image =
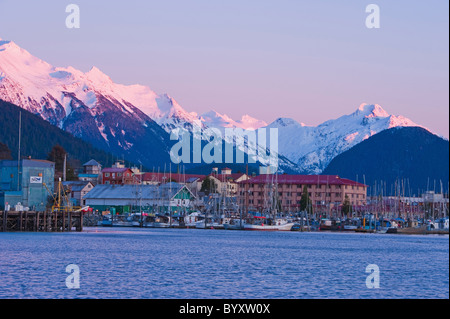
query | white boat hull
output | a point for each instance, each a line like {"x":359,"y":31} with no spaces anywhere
{"x":283,"y":227}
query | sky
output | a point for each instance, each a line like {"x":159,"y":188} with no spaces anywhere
{"x":308,"y":60}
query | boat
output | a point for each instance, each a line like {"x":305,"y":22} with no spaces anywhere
{"x":206,"y":223}
{"x":329,"y":224}
{"x":263,"y":223}
{"x":351,"y":224}
{"x":234,"y":224}
{"x":191,"y":219}
{"x":161,"y":221}
{"x":115,"y":221}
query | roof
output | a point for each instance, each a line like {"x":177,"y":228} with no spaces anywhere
{"x":134,"y":192}
{"x":92,"y":163}
{"x":115,"y":170}
{"x":301,"y":179}
{"x":175,"y":177}
{"x":76,"y":186}
{"x":27,"y":163}
{"x":88,"y":175}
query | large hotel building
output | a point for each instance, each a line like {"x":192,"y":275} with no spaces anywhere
{"x":325,"y":191}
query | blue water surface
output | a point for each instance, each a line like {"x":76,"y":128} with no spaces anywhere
{"x":198,"y":264}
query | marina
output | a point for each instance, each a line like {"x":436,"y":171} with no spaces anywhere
{"x":366,"y":224}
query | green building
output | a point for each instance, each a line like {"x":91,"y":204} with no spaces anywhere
{"x":165,"y":198}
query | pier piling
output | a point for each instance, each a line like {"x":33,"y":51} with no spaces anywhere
{"x":30,"y":221}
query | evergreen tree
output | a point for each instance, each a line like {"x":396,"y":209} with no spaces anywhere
{"x":305,"y":201}
{"x":57,"y":155}
{"x":346,"y":207}
{"x":5,"y":153}
{"x":208,"y":186}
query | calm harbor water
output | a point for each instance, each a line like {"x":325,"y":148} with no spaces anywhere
{"x":197,"y":264}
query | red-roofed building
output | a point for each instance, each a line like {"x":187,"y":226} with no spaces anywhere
{"x":119,"y":176}
{"x":325,"y":191}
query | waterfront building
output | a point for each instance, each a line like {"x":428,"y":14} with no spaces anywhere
{"x":92,"y":172}
{"x":326,"y":192}
{"x":26,"y":183}
{"x":169,"y":197}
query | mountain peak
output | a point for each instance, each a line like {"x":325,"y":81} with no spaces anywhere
{"x":372,"y":110}
{"x":285,"y":121}
{"x":95,"y":75}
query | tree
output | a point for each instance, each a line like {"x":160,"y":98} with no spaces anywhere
{"x":57,"y":155}
{"x":208,"y":185}
{"x":346,"y":206}
{"x":305,"y":201}
{"x":5,"y":153}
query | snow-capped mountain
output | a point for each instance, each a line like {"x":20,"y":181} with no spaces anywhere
{"x":215,"y":119}
{"x":120,"y":118}
{"x":88,"y":105}
{"x":313,"y":147}
{"x":134,"y":121}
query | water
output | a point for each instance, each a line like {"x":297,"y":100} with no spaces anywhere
{"x":197,"y":264}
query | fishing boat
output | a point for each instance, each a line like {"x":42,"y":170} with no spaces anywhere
{"x":161,"y":221}
{"x":351,"y":224}
{"x":234,"y":224}
{"x":115,"y":221}
{"x":329,"y":224}
{"x":263,"y":223}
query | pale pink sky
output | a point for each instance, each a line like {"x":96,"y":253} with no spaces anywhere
{"x":309,"y":60}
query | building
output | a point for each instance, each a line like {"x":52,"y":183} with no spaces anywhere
{"x":172,"y":197}
{"x":326,"y":192}
{"x":26,"y":183}
{"x":92,"y":172}
{"x":225,"y":182}
{"x":118,"y":174}
{"x":78,"y":190}
{"x":228,"y":182}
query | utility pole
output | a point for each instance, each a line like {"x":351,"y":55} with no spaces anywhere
{"x":64,"y":167}
{"x":18,"y":156}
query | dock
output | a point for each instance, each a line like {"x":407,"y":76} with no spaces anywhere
{"x":31,"y":221}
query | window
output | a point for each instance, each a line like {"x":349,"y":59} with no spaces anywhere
{"x":106,"y":174}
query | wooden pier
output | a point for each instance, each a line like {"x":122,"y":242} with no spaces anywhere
{"x":12,"y":221}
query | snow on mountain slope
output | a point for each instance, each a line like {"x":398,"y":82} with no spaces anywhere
{"x":313,"y":147}
{"x":136,"y":120}
{"x":88,"y":105}
{"x":43,"y":89}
